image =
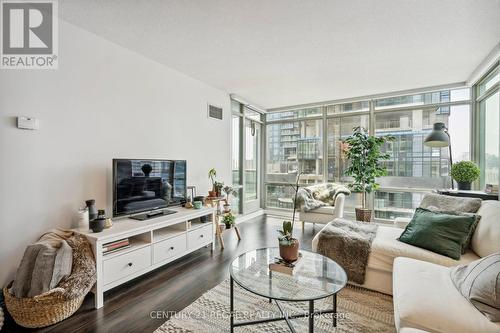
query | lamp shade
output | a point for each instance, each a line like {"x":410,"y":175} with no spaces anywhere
{"x":438,"y":137}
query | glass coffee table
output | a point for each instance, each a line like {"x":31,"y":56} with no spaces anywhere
{"x":316,"y":277}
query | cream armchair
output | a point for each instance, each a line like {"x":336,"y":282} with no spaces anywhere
{"x":335,"y":199}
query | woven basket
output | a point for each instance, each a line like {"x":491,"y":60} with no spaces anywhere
{"x":61,"y":302}
{"x":42,"y":310}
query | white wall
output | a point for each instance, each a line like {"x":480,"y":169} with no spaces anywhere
{"x":104,"y":101}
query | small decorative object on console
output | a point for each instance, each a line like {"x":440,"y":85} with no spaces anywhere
{"x":92,"y":209}
{"x":108,"y":223}
{"x":83,"y":218}
{"x":97,"y":225}
{"x":197,"y":204}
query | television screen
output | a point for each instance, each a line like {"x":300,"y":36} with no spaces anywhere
{"x":145,"y":185}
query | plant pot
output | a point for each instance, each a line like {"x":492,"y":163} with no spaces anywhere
{"x":464,"y":186}
{"x":97,"y":225}
{"x":212,"y":194}
{"x":227,"y":208}
{"x":363,"y":214}
{"x":228,"y":226}
{"x":290,"y":252}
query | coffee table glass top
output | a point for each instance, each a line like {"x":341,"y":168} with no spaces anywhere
{"x":315,"y":276}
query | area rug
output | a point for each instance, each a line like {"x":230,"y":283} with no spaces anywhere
{"x":359,"y":310}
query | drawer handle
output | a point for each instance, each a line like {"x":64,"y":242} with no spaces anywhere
{"x":171,"y":248}
{"x":201,"y":236}
{"x":129,"y":264}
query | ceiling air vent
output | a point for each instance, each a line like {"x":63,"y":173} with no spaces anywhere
{"x":214,"y":112}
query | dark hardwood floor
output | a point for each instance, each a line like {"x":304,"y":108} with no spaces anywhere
{"x":172,"y":287}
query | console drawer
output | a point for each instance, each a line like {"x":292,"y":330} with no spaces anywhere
{"x":169,"y":248}
{"x":126,"y":264}
{"x":200,"y":236}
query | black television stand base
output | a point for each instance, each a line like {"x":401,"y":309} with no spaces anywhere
{"x":152,"y":215}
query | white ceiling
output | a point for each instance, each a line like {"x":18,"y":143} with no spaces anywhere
{"x":286,"y":52}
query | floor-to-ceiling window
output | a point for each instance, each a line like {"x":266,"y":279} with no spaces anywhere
{"x":487,"y":111}
{"x":294,"y":143}
{"x":310,"y":140}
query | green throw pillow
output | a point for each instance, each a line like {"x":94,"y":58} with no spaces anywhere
{"x":437,"y":232}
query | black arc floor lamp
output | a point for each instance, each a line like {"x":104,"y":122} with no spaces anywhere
{"x":439,"y":137}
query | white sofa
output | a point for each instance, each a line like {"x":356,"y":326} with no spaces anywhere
{"x":386,"y":247}
{"x":424,"y":296}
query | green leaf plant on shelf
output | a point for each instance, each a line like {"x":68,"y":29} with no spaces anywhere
{"x":216,"y":185}
{"x":228,"y":191}
{"x":288,"y":245}
{"x":212,"y":173}
{"x":228,"y":220}
{"x":464,"y":173}
{"x":365,"y":157}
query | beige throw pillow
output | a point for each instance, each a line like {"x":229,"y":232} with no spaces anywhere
{"x":479,"y":282}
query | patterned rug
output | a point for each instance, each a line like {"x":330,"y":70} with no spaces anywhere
{"x":359,"y":311}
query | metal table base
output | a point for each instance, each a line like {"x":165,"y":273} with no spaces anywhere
{"x":310,"y":314}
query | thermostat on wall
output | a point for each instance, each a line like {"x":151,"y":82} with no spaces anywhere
{"x":27,"y":123}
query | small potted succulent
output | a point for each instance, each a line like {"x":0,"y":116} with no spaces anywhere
{"x":228,"y":191}
{"x":364,"y":154}
{"x":464,"y":173}
{"x":288,"y":245}
{"x":228,"y":220}
{"x":212,"y":173}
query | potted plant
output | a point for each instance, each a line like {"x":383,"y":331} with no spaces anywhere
{"x":212,"y":173}
{"x":363,"y":152}
{"x":288,"y":245}
{"x":228,"y":190}
{"x":464,"y":173}
{"x":228,"y":220}
{"x":218,"y":188}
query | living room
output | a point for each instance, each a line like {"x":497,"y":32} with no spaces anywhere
{"x":250,"y":166}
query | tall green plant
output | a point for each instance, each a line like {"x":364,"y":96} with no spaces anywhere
{"x":364,"y":154}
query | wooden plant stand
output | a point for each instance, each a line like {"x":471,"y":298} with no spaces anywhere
{"x":215,"y":203}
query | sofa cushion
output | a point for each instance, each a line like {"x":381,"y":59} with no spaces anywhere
{"x":425,"y":298}
{"x":446,"y":202}
{"x":441,"y":233}
{"x":386,"y":247}
{"x":486,"y":238}
{"x":477,"y":217}
{"x":479,"y":282}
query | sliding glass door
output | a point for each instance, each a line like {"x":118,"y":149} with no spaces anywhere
{"x":251,"y":187}
{"x":246,"y":157}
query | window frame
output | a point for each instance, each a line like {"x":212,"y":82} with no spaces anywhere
{"x":371,"y":112}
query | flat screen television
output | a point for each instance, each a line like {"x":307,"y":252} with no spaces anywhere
{"x":144,"y":185}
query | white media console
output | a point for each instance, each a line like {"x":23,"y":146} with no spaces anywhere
{"x":153,"y":243}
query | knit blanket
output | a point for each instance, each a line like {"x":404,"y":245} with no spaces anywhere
{"x":349,"y":244}
{"x":315,"y":196}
